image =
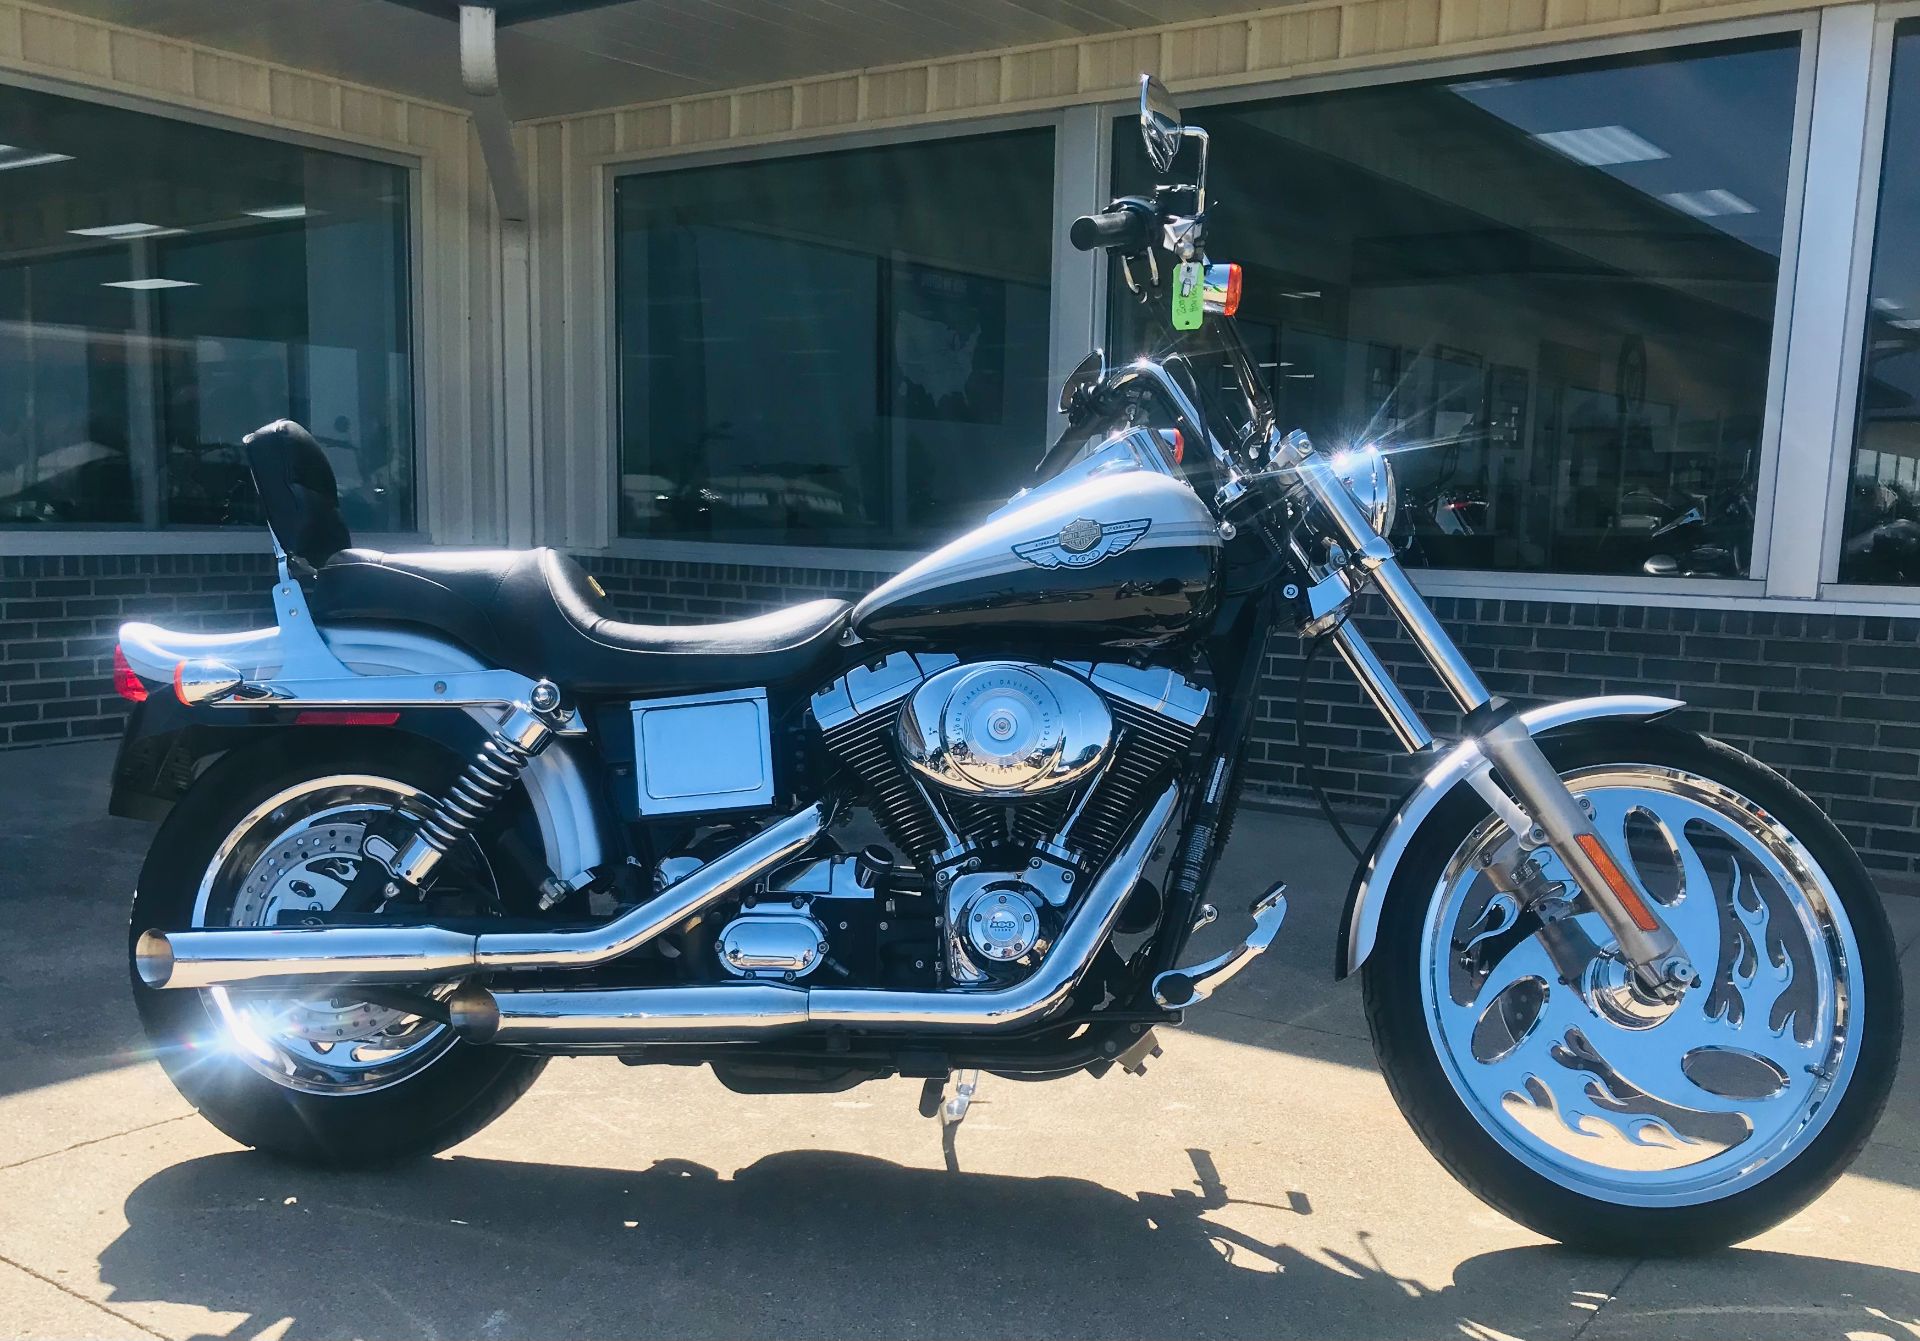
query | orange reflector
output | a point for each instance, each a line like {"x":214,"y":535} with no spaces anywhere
{"x":1617,"y":881}
{"x":345,"y":717}
{"x":1231,"y":303}
{"x":1176,"y":443}
{"x":126,"y":683}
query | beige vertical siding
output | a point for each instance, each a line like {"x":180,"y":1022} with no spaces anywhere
{"x":1259,"y":46}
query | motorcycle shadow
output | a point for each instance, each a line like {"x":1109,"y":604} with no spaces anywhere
{"x":829,"y":1244}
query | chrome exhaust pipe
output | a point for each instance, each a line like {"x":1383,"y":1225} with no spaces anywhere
{"x":749,"y":1011}
{"x":320,"y":956}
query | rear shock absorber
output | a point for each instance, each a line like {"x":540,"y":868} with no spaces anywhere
{"x":522,"y":732}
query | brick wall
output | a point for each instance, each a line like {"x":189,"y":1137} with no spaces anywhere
{"x":59,"y":615}
{"x":1830,"y":700}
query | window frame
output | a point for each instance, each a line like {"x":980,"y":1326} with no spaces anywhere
{"x":1879,"y":89}
{"x":112,"y":538}
{"x":1603,"y":587}
{"x":1082,"y":134}
{"x":844,"y":558}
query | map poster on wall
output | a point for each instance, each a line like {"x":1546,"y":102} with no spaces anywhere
{"x":942,"y":344}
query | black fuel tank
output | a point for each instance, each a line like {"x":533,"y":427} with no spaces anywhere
{"x":1107,"y":554}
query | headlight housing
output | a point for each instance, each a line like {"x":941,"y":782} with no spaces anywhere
{"x":1369,"y":478}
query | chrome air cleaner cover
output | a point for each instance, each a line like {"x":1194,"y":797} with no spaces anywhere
{"x":1004,"y":728}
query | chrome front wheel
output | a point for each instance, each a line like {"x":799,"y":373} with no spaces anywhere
{"x":1537,"y":1067}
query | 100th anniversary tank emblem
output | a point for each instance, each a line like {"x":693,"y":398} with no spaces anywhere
{"x":1082,"y":542}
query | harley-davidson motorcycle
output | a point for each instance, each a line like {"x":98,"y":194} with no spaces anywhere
{"x":449,"y":817}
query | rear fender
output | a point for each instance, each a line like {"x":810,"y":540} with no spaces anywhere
{"x":165,"y":740}
{"x":1370,"y":882}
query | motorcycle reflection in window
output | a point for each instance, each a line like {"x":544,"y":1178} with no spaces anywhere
{"x":449,"y":817}
{"x":1882,"y":531}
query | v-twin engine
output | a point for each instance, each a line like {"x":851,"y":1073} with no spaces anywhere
{"x":1008,"y":783}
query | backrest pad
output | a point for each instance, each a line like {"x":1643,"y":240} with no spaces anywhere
{"x":298,"y":491}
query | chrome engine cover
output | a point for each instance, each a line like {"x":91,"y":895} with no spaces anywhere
{"x":1004,"y":729}
{"x":999,"y":926}
{"x":773,"y":941}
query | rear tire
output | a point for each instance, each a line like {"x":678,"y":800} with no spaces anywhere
{"x":1485,"y":1139}
{"x":450,"y":1090}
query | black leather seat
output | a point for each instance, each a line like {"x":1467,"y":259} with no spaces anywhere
{"x":537,"y":612}
{"x":533,"y":611}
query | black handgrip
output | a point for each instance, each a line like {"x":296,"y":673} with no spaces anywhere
{"x":1126,"y":228}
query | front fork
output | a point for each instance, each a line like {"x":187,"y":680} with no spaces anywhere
{"x":1535,"y":803}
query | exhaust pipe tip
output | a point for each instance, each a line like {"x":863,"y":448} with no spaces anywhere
{"x":153,"y":958}
{"x":474,"y":1014}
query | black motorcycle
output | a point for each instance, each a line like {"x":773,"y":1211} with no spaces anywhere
{"x":450,"y":817}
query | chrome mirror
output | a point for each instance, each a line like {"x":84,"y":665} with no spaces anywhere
{"x":1159,"y":123}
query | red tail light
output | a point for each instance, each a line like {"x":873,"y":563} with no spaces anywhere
{"x":125,"y":683}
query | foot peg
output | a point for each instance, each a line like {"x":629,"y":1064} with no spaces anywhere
{"x":1185,"y":986}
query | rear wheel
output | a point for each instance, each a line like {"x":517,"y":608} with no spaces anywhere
{"x":315,"y":1075}
{"x":1525,"y":1055}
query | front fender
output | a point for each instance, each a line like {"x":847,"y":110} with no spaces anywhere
{"x":1370,"y":882}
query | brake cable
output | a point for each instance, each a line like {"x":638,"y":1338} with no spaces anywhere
{"x":1308,"y":768}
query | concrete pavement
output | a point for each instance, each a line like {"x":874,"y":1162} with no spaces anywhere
{"x":1256,"y":1182}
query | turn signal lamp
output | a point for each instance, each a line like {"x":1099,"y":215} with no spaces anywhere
{"x":1221,"y":287}
{"x":200,"y":681}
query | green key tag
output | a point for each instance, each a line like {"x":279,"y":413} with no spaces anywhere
{"x":1189,"y":298}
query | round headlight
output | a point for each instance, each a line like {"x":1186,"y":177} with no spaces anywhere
{"x":1369,"y":478}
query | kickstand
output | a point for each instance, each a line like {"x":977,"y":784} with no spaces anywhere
{"x":953,"y":1112}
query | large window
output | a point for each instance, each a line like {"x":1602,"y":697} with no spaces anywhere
{"x":846,"y":348}
{"x":167,"y":287}
{"x":1550,"y":292}
{"x":1881,"y":532}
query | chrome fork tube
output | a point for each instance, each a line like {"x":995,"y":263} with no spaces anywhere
{"x":1366,"y":666}
{"x":1643,"y":936}
{"x":1461,"y":680}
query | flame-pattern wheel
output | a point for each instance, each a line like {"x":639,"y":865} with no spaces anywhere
{"x":1529,"y":1058}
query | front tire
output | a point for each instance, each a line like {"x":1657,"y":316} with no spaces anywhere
{"x":312,"y":1077}
{"x":1590,"y":1113}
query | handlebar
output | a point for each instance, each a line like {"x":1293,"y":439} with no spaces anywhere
{"x":1128,"y":228}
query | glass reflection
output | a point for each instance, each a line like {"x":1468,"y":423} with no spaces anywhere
{"x":1881,"y":527}
{"x":1550,"y":293}
{"x":838,"y":349}
{"x":167,"y":287}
